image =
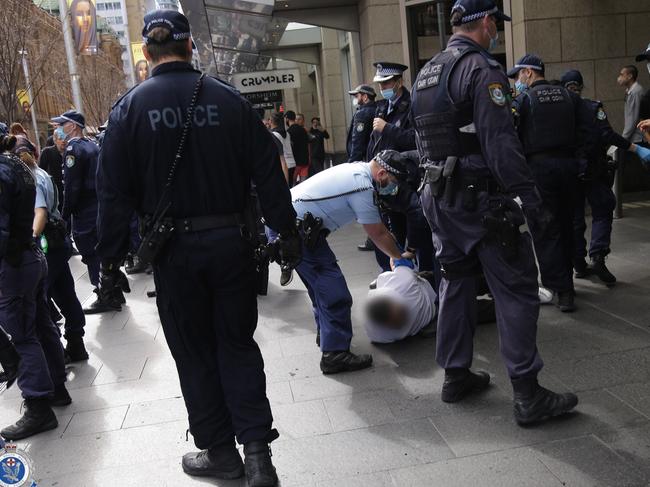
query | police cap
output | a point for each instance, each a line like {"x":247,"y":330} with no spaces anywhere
{"x":572,"y":77}
{"x":365,"y":89}
{"x":530,"y":61}
{"x":644,"y":56}
{"x":175,"y":22}
{"x":476,"y":9}
{"x":387,"y":71}
{"x":391,"y":161}
{"x":70,"y":116}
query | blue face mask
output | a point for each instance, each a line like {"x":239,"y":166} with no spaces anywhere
{"x":60,"y":133}
{"x":494,"y":42}
{"x":388,"y":93}
{"x":520,"y":86}
{"x":389,"y":190}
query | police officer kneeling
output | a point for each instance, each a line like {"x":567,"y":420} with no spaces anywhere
{"x":205,"y":271}
{"x":474,"y":164}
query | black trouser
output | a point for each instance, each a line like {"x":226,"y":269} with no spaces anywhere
{"x":207,"y":300}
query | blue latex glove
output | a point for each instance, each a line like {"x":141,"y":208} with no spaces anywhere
{"x":644,"y":154}
{"x":403,"y":262}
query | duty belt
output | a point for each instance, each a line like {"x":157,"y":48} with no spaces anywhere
{"x":211,"y":222}
{"x":484,"y":184}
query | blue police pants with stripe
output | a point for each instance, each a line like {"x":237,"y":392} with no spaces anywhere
{"x":330,"y":297}
{"x":206,"y":286}
{"x":84,"y":232}
{"x":461,"y":243}
{"x":602,"y":201}
{"x":556,"y":180}
{"x":60,"y":287}
{"x":25,"y":315}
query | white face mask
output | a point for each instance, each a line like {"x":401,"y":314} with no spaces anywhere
{"x":355,"y":102}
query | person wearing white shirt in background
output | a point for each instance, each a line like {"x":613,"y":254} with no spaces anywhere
{"x":402,"y":305}
{"x":627,"y":78}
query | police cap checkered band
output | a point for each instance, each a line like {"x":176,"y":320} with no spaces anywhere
{"x":472,"y":10}
{"x":529,"y":66}
{"x":388,"y":159}
{"x":175,"y":22}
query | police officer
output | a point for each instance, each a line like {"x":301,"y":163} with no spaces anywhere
{"x":205,"y":273}
{"x":596,"y":186}
{"x":80,"y":199}
{"x":361,"y":126}
{"x":324,"y":203}
{"x":474,"y":164}
{"x":548,"y":125}
{"x":50,"y":232}
{"x":24,"y":310}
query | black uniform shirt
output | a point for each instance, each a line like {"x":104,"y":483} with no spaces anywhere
{"x":80,"y":167}
{"x":227,"y":147}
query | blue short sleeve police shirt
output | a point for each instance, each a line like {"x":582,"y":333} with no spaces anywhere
{"x":339,"y":195}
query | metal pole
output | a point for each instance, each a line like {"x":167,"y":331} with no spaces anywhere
{"x":125,"y":16}
{"x":441,"y":25}
{"x":70,"y":54}
{"x":618,"y":183}
{"x":30,"y":93}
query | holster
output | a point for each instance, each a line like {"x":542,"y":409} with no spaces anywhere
{"x":503,"y":227}
{"x":253,"y":230}
{"x":56,"y":232}
{"x":433,"y":178}
{"x":312,"y":230}
{"x":155,"y":235}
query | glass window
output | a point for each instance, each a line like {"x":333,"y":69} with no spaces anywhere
{"x":424,"y":33}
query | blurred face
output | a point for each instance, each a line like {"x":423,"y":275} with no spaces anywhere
{"x":575,"y":88}
{"x":315,"y":123}
{"x":525,"y":76}
{"x":391,"y":84}
{"x":300,"y":120}
{"x":83,"y":16}
{"x":624,"y":78}
{"x":142,"y":71}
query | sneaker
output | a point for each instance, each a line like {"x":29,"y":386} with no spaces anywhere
{"x":222,"y":462}
{"x":459,"y":383}
{"x":346,"y":361}
{"x":599,"y":268}
{"x":533,"y":403}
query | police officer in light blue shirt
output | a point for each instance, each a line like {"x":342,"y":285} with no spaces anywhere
{"x":324,"y":203}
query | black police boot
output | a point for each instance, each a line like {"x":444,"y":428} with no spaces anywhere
{"x":221,"y":462}
{"x":102,"y":305}
{"x":38,"y":418}
{"x":599,"y":268}
{"x":286,"y":276}
{"x":533,"y":403}
{"x":61,"y":397}
{"x":135,"y":266}
{"x":75,"y":351}
{"x":565,"y":301}
{"x":9,"y":360}
{"x":346,"y":361}
{"x":459,"y":383}
{"x":260,"y":471}
{"x":581,"y":269}
{"x":366,"y":246}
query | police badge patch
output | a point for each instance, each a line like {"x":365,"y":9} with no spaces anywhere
{"x":601,"y":115}
{"x":497,"y":95}
{"x":360,"y":127}
{"x":15,"y":468}
{"x":69,"y":161}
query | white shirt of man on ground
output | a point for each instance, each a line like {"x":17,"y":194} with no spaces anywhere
{"x":401,"y":306}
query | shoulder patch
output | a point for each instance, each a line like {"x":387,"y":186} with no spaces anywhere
{"x":600,"y":114}
{"x":69,"y":160}
{"x":497,"y":94}
{"x":360,"y":127}
{"x":69,"y":148}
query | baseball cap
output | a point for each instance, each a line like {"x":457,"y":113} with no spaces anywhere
{"x":476,"y":9}
{"x":572,"y":77}
{"x":175,"y":22}
{"x":644,"y":56}
{"x":71,"y":116}
{"x":531,"y":61}
{"x":366,"y":89}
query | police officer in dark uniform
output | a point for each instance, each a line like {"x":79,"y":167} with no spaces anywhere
{"x":474,"y":164}
{"x":391,"y":131}
{"x":80,"y":199}
{"x":548,"y":124}
{"x":595,"y":186}
{"x":205,"y":276}
{"x":361,"y":126}
{"x":24,"y":310}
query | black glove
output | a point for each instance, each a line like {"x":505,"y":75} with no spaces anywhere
{"x":290,"y":249}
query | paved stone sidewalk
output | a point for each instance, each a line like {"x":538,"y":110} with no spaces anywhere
{"x":381,"y":427}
